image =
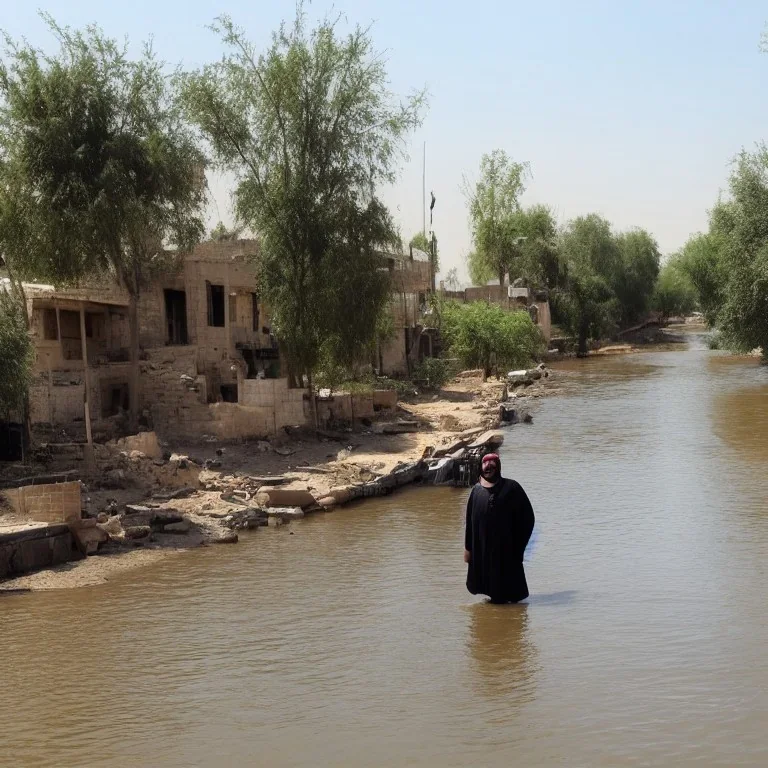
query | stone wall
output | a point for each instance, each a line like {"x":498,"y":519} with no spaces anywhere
{"x":343,"y":406}
{"x":50,"y":503}
{"x":288,"y":405}
{"x":173,"y":394}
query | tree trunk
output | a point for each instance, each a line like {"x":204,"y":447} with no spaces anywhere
{"x":17,"y":288}
{"x":582,"y":349}
{"x":133,"y":320}
{"x":312,"y":401}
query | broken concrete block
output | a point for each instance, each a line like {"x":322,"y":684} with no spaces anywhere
{"x":227,"y":538}
{"x":137,"y":532}
{"x":286,"y":513}
{"x":288,"y":497}
{"x":182,"y":527}
{"x":88,"y":540}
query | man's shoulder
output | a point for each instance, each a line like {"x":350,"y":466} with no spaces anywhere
{"x":511,"y":484}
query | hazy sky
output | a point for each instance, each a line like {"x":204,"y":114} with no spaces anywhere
{"x":630,"y":109}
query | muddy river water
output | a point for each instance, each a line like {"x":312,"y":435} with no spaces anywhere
{"x":353,"y":642}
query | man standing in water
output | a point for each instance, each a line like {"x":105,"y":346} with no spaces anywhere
{"x":499,"y":524}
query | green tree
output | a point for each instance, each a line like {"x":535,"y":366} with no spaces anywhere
{"x":674,"y":294}
{"x":494,"y":201}
{"x":539,"y":257}
{"x":424,"y":243}
{"x":700,"y":261}
{"x":96,"y":151}
{"x":311,"y":130}
{"x":16,"y":355}
{"x":634,"y":282}
{"x":587,"y":305}
{"x":486,"y":336}
{"x":220,"y":233}
{"x":739,"y":232}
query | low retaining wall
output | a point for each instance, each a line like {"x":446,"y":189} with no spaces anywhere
{"x":34,"y":549}
{"x":47,"y":503}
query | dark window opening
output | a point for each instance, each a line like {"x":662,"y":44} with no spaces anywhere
{"x":215,"y":305}
{"x":71,"y":343}
{"x":114,"y":398}
{"x":425,"y":346}
{"x":233,"y":309}
{"x":10,"y":441}
{"x":50,"y":326}
{"x":255,"y":310}
{"x":94,"y":325}
{"x":176,"y":317}
{"x":229,"y":393}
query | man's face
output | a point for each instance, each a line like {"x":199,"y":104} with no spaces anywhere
{"x":490,"y":469}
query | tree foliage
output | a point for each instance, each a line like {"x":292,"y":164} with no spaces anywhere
{"x":310,"y":129}
{"x":424,"y":243}
{"x":100,"y":163}
{"x":16,"y":355}
{"x":739,"y":230}
{"x":674,"y":294}
{"x":486,"y":336}
{"x":494,"y":201}
{"x":609,"y":279}
{"x":699,"y":260}
{"x":539,"y":260}
{"x":636,"y":278}
{"x":588,"y":305}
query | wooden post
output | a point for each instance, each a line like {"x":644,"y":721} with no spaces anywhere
{"x":87,"y":397}
{"x":58,"y":332}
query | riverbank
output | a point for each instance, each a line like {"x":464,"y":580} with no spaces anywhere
{"x":150,"y":504}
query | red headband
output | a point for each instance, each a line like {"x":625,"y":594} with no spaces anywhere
{"x":491,"y":457}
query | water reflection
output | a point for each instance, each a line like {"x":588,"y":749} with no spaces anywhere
{"x":503,"y":655}
{"x":740,"y":418}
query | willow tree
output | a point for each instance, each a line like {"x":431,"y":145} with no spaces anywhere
{"x":16,"y":359}
{"x":636,"y":279}
{"x":494,"y":202}
{"x":311,"y":131}
{"x":99,"y":165}
{"x":587,"y":304}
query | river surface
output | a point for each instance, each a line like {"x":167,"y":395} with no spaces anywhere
{"x":353,"y":642}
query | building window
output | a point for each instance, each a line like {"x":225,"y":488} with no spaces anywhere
{"x":228,"y":393}
{"x":255,"y":309}
{"x":176,"y":317}
{"x":115,"y":398}
{"x":215,"y":305}
{"x":233,"y":309}
{"x":50,"y":326}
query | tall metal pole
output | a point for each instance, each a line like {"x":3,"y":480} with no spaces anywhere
{"x":424,"y":192}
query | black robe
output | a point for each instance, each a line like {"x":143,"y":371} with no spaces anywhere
{"x":499,"y":524}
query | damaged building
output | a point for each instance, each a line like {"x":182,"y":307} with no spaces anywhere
{"x":409,"y":309}
{"x":209,"y":362}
